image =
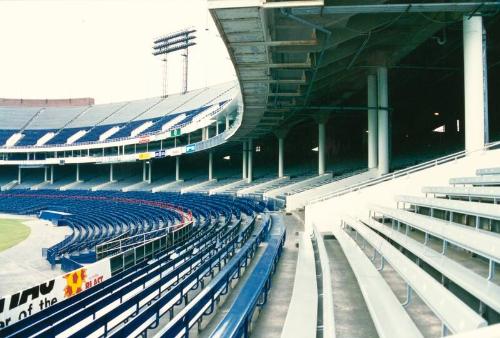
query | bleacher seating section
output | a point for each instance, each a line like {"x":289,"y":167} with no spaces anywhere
{"x":189,"y":275}
{"x":444,"y":248}
{"x":65,"y":122}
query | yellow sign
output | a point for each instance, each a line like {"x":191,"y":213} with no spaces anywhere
{"x":144,"y":156}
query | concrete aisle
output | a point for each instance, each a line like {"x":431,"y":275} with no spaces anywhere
{"x":272,"y":317}
{"x":352,"y":319}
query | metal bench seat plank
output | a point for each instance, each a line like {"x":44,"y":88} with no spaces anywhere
{"x":388,"y":315}
{"x":478,"y":286}
{"x":454,"y":313}
{"x":485,"y":210}
{"x":481,"y":242}
{"x":477,"y":192}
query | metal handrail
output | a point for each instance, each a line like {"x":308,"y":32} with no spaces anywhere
{"x":400,"y":173}
{"x":131,"y":243}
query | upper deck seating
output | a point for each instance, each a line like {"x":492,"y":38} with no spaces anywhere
{"x":31,"y":136}
{"x":15,"y":118}
{"x":64,"y":122}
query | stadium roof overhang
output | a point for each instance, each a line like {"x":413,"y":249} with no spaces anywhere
{"x":299,"y":59}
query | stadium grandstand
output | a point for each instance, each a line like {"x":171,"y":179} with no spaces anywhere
{"x":346,"y":184}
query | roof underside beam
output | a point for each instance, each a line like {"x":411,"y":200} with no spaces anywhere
{"x":461,"y":7}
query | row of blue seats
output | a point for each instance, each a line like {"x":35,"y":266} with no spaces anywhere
{"x":254,"y":293}
{"x":97,"y":217}
{"x":212,"y":242}
{"x":31,"y":136}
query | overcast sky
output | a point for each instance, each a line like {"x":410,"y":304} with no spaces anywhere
{"x":102,"y":48}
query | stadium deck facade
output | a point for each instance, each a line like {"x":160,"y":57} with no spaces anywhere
{"x":369,"y":121}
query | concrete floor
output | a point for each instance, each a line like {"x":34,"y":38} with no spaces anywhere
{"x":23,"y":265}
{"x":352,"y":319}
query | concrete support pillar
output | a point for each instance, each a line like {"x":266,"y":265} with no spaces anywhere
{"x":52,"y":174}
{"x":78,"y":172}
{"x":475,"y":91}
{"x":144,"y":176}
{"x":372,"y":123}
{"x":383,"y":121}
{"x":111,"y":173}
{"x":46,"y":174}
{"x":250,"y":161}
{"x":281,"y":156}
{"x":150,"y":175}
{"x":177,"y":168}
{"x":321,"y":147}
{"x":244,"y":164}
{"x":227,"y":122}
{"x":217,"y":127}
{"x":210,"y":166}
{"x":19,"y":175}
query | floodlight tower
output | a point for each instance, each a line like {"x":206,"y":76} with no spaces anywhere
{"x":173,"y":42}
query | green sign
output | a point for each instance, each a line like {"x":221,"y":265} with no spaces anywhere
{"x":175,"y":132}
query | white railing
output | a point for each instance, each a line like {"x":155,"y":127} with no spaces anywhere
{"x":400,"y":173}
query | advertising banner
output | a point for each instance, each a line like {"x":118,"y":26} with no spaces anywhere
{"x":24,"y":303}
{"x":144,"y":139}
{"x":144,"y":156}
{"x":175,"y":151}
{"x":160,"y":153}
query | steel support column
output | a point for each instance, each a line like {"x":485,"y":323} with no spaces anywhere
{"x":372,"y":123}
{"x":250,"y":161}
{"x":476,"y":115}
{"x":210,"y":165}
{"x":177,"y":168}
{"x":111,"y":173}
{"x":383,"y":121}
{"x":244,"y":164}
{"x":78,"y":172}
{"x":321,"y":147}
{"x":281,"y":156}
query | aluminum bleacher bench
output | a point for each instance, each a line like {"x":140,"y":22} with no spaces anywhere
{"x":301,"y":318}
{"x":388,"y":315}
{"x":455,"y":315}
{"x":488,"y":171}
{"x":478,"y":286}
{"x":328,"y":309}
{"x":490,"y":194}
{"x":490,"y":212}
{"x":485,"y":332}
{"x":483,"y":243}
{"x":477,"y":180}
